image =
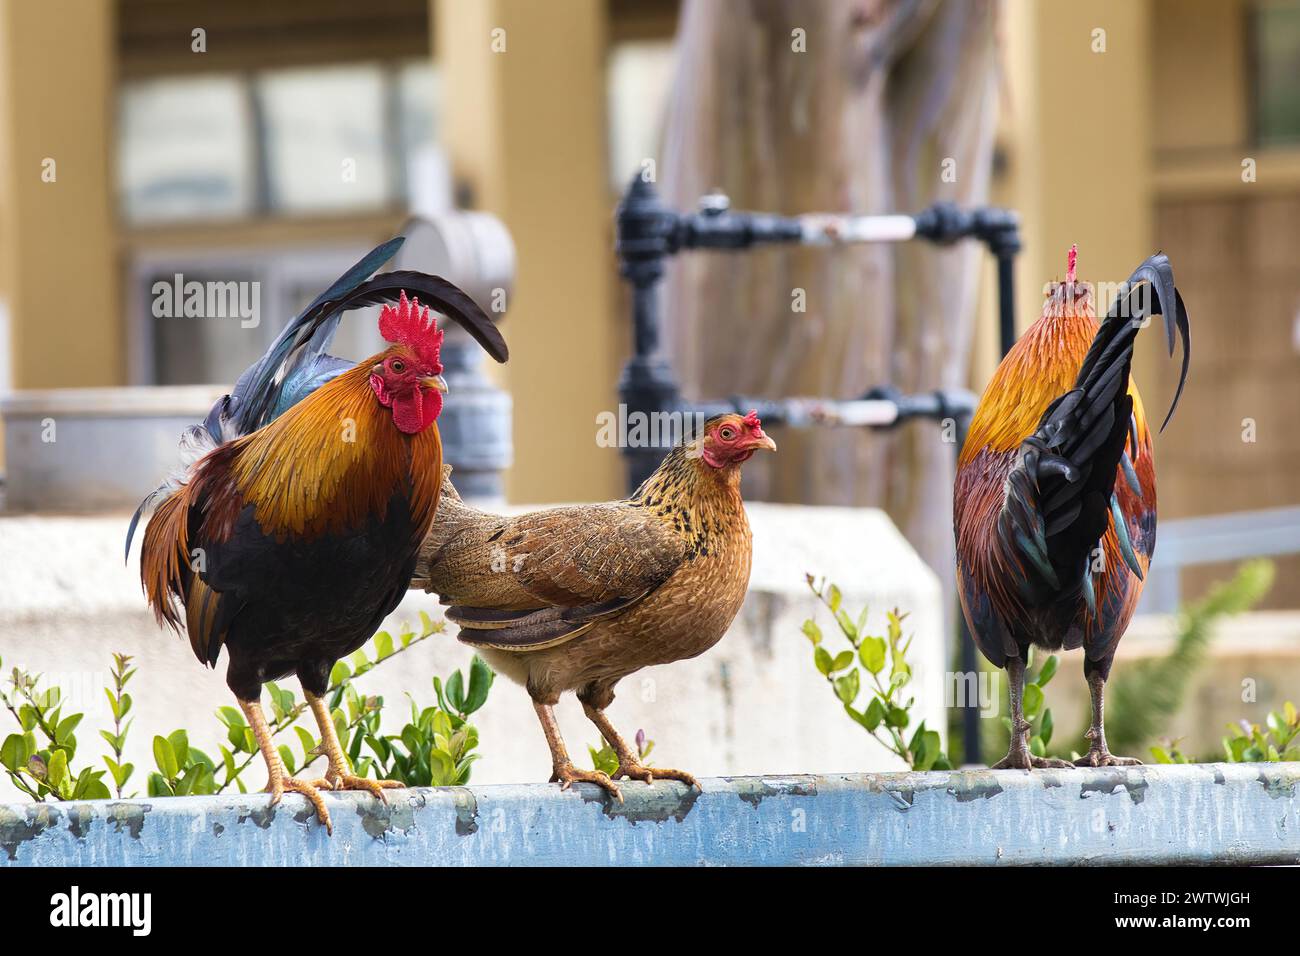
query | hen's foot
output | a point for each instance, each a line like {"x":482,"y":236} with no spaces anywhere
{"x":1104,"y":758}
{"x":567,"y":774}
{"x":278,"y":785}
{"x":346,"y":781}
{"x":1019,"y":758}
{"x":637,"y":771}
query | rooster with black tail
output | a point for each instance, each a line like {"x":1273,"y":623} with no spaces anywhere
{"x":1054,"y":506}
{"x":294,"y":525}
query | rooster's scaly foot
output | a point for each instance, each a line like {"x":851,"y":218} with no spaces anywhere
{"x":277,"y":787}
{"x":1021,"y":759}
{"x":346,"y":781}
{"x":1104,"y":758}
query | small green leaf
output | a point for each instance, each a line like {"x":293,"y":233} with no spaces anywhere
{"x":307,"y":741}
{"x":842,"y":660}
{"x":57,"y":770}
{"x":1045,"y":726}
{"x":180,"y":742}
{"x":926,"y":750}
{"x":833,"y":598}
{"x":812,"y":631}
{"x":872,"y":654}
{"x":165,"y":759}
{"x":1032,"y":701}
{"x":14,"y":752}
{"x":847,"y":687}
{"x":1048,"y":671}
{"x":875,"y":714}
{"x":847,"y":626}
{"x":480,"y":681}
{"x":823,"y":660}
{"x":383,"y":645}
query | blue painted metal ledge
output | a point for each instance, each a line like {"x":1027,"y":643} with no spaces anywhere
{"x":1206,"y":813}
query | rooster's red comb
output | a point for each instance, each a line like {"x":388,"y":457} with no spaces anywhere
{"x":409,"y":324}
{"x":752,"y":419}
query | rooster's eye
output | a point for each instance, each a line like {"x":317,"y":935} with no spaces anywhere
{"x":398,"y":366}
{"x":727,"y":434}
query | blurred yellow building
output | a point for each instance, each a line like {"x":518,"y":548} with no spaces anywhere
{"x":221,"y":131}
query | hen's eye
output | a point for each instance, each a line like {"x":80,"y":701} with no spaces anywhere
{"x":398,"y":366}
{"x":727,"y":434}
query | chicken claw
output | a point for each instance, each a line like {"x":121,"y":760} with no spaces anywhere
{"x":637,"y":771}
{"x":346,"y":781}
{"x":1019,"y":758}
{"x":1104,"y":758}
{"x":279,"y":784}
{"x":567,"y":774}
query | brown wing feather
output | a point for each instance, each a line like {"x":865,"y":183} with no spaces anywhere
{"x":542,"y":578}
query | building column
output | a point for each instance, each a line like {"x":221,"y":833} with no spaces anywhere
{"x":57,"y":243}
{"x":524,"y":127}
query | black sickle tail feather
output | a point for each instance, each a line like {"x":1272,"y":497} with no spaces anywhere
{"x":1060,"y":494}
{"x":253,"y":401}
{"x":296,"y":356}
{"x":441,"y":296}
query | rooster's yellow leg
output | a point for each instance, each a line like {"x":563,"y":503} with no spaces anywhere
{"x":339,"y":777}
{"x":629,"y":764}
{"x":277,"y":781}
{"x":563,"y":771}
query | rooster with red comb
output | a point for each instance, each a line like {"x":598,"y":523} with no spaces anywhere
{"x":1055,"y":500}
{"x":577,"y":598}
{"x":294,"y":527}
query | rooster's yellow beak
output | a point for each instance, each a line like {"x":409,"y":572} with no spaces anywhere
{"x":434,"y":381}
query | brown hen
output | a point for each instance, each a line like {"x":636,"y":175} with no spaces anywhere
{"x":579,"y":597}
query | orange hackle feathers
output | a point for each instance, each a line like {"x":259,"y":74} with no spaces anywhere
{"x":327,"y":465}
{"x":1040,"y":366}
{"x":409,"y":324}
{"x":338,"y":447}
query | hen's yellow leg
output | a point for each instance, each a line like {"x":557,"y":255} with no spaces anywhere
{"x":563,"y":771}
{"x":629,"y":764}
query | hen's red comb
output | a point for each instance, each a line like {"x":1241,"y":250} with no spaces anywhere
{"x":409,"y":324}
{"x":752,"y":419}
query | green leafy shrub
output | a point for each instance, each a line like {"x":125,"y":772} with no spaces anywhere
{"x":435,"y":748}
{"x":39,"y":759}
{"x":1278,"y":740}
{"x":887,"y":710}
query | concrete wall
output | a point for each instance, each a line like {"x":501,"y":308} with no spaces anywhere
{"x":1214,"y":813}
{"x":754,"y":704}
